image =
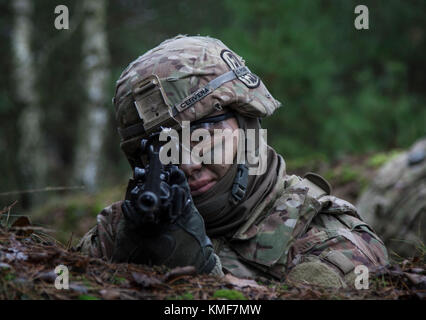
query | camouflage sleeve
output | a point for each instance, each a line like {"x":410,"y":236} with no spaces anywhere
{"x":317,"y":239}
{"x":98,"y":242}
{"x":336,"y":242}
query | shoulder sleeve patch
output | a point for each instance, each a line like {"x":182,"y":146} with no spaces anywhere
{"x":319,"y":181}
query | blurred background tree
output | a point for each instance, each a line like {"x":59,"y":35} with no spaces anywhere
{"x":344,"y":91}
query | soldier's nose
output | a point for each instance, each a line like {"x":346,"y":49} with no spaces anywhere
{"x":189,"y":169}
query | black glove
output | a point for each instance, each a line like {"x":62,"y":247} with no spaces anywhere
{"x":175,"y":236}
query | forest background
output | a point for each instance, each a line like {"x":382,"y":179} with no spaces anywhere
{"x":345,"y":92}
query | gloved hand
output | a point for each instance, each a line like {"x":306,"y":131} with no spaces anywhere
{"x":179,"y":239}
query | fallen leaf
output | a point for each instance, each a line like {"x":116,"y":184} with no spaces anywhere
{"x":416,"y":279}
{"x":416,"y":259}
{"x":81,"y":265}
{"x":78,"y":288}
{"x":21,"y":225}
{"x":178,"y":272}
{"x":4,"y":265}
{"x":145,"y":281}
{"x":110,"y":294}
{"x":38,"y":256}
{"x":417,"y":270}
{"x":48,"y":276}
{"x":238,"y":282}
{"x":15,"y":254}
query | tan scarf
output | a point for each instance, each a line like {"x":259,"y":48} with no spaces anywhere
{"x":221,"y":217}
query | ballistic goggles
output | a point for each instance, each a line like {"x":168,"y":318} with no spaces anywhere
{"x":209,"y":140}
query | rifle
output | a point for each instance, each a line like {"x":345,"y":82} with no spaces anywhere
{"x":149,"y":191}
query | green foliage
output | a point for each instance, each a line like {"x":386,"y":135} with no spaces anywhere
{"x":381,"y":158}
{"x":229,"y":294}
{"x":83,"y":280}
{"x":284,"y":287}
{"x":118,"y":280}
{"x":343,"y":90}
{"x":348,"y":174}
{"x":87,"y":297}
{"x":9,"y":276}
{"x":74,"y":213}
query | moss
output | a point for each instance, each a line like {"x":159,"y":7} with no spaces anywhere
{"x":96,"y":208}
{"x":86,"y":282}
{"x":118,"y":280}
{"x":344,"y":174}
{"x":330,"y":175}
{"x":87,"y":297}
{"x":229,"y":294}
{"x":9,"y":276}
{"x":381,"y":158}
{"x":348,"y":174}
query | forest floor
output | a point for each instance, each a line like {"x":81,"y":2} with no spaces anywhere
{"x":29,"y":255}
{"x":28,"y":262}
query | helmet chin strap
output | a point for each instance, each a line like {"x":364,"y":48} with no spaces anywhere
{"x":239,"y":186}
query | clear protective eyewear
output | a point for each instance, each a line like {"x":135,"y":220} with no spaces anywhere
{"x":211,"y":140}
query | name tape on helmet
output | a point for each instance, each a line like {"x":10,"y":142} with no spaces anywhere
{"x":198,"y":95}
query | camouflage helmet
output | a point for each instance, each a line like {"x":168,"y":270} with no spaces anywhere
{"x":394,"y":204}
{"x":184,"y":78}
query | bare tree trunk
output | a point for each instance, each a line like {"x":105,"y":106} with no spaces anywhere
{"x":31,"y":156}
{"x":95,"y":65}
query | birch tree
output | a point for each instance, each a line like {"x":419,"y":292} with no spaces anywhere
{"x":95,"y":67}
{"x":31,"y":155}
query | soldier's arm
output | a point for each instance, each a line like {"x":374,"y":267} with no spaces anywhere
{"x":98,"y":242}
{"x":336,"y":242}
{"x":316,"y":237}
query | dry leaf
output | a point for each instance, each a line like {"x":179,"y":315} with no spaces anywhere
{"x":4,"y":265}
{"x":178,"y":272}
{"x":241,"y":283}
{"x":38,"y":256}
{"x":21,"y":225}
{"x":145,"y":281}
{"x":416,"y":279}
{"x":110,"y":294}
{"x":79,"y":288}
{"x":48,"y":276}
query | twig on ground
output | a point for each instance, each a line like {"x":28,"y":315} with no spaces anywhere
{"x":46,"y":189}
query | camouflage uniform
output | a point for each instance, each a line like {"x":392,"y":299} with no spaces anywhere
{"x":299,"y":231}
{"x":395,"y":202}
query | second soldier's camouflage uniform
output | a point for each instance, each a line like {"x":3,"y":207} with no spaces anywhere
{"x":298,"y":231}
{"x":395,"y":201}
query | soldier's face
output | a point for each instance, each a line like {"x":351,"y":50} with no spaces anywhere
{"x":201,"y":177}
